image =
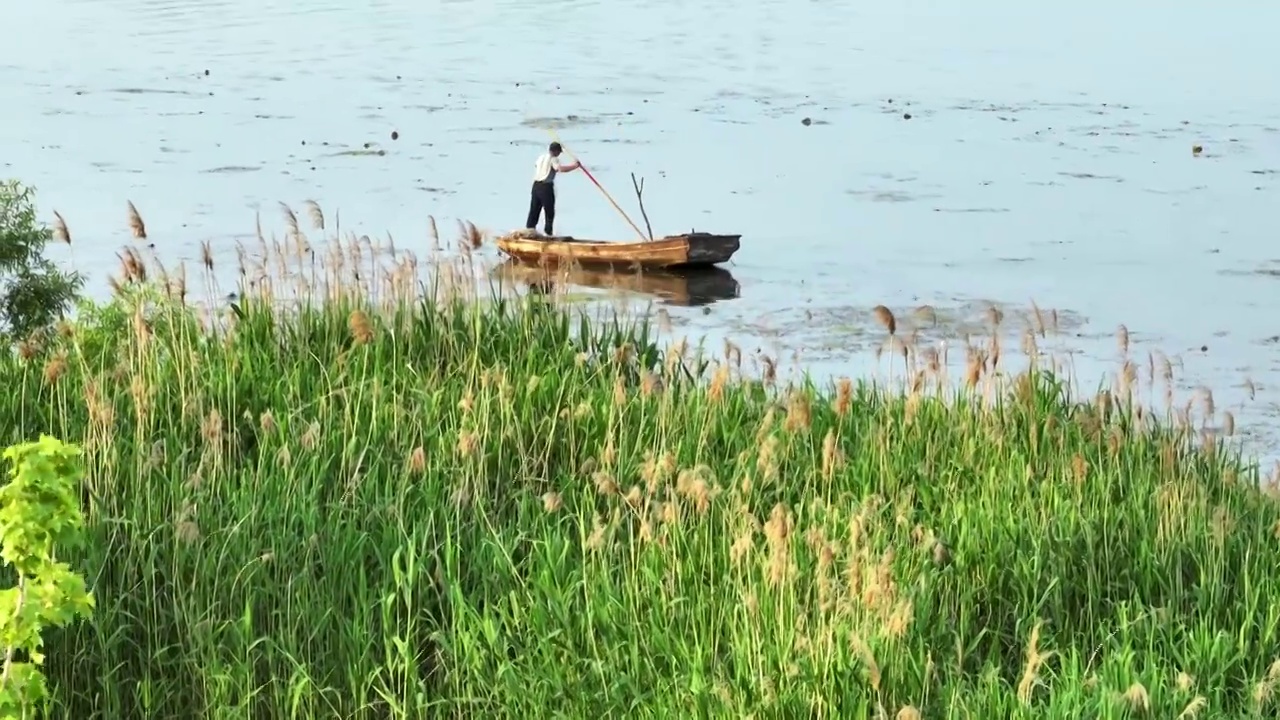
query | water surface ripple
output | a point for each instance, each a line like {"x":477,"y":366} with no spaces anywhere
{"x":1048,"y":153}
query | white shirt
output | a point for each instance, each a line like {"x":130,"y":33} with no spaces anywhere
{"x":545,"y":168}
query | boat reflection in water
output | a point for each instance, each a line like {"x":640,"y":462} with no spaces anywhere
{"x":689,"y":288}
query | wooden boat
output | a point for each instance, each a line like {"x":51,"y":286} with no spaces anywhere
{"x":689,"y":250}
{"x":687,"y":287}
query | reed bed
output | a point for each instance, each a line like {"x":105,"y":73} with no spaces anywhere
{"x":384,"y":499}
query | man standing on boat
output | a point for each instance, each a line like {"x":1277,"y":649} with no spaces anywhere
{"x":542,"y":199}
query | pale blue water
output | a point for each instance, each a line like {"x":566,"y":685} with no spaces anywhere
{"x":1048,"y":155}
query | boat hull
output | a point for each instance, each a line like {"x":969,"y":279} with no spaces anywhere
{"x":675,"y":251}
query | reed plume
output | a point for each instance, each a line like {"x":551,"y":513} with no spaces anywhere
{"x":885,"y":317}
{"x":315,"y":214}
{"x":290,"y":220}
{"x":60,"y":231}
{"x":926,"y":314}
{"x":136,"y":226}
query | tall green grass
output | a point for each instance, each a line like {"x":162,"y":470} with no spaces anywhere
{"x":421,"y":508}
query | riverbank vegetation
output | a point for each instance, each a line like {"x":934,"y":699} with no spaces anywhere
{"x":375,"y":504}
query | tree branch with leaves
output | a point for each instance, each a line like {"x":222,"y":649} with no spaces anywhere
{"x":39,"y":515}
{"x":34,"y":292}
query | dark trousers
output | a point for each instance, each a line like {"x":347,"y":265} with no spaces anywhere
{"x":542,"y":200}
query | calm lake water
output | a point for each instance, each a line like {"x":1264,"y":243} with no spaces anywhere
{"x":1048,"y":154}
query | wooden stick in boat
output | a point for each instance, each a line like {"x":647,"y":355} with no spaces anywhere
{"x":639,"y":188}
{"x":597,"y":184}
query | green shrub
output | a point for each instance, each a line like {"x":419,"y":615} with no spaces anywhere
{"x":33,"y":291}
{"x":39,"y":514}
